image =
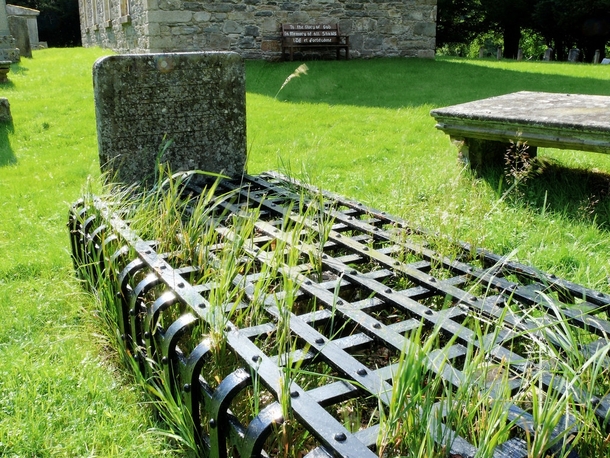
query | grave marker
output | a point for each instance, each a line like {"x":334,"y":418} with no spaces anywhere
{"x":184,"y":109}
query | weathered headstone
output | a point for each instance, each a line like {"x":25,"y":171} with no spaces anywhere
{"x":499,"y":53}
{"x":548,"y":54}
{"x":184,"y":109}
{"x":18,"y":27}
{"x":8,"y":51}
{"x":596,"y":57}
{"x":31,"y":16}
{"x":573,"y":55}
{"x":5,"y":111}
{"x":520,"y":54}
{"x":605,"y":61}
{"x":481,"y":52}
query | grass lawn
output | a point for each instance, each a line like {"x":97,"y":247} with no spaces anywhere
{"x":360,"y":128}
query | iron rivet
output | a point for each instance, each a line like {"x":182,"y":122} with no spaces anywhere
{"x":212,"y":423}
{"x":396,"y":263}
{"x":180,"y":285}
{"x":553,"y":276}
{"x":256,"y":358}
{"x":340,"y":437}
{"x":353,"y":272}
{"x":324,"y":256}
{"x":294,"y":394}
{"x":319,"y":340}
{"x":308,"y":282}
{"x":147,"y":335}
{"x":339,"y":302}
{"x":201,"y":305}
{"x":148,"y":252}
{"x":186,"y":387}
{"x":432,"y":280}
{"x":366,"y":248}
{"x":338,"y":236}
{"x":428,"y":312}
{"x":163,"y":267}
{"x":377,"y":325}
{"x":472,"y":299}
{"x":122,"y":336}
{"x":164,"y":360}
{"x":388,"y":290}
{"x":361,"y":372}
{"x":132,"y":312}
{"x":600,"y":294}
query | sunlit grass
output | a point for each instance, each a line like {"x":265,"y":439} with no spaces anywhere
{"x":361,"y":128}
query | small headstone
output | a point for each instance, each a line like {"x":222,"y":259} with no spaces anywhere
{"x":520,"y":54}
{"x":605,"y":61}
{"x":5,"y":111}
{"x":499,"y":53}
{"x":481,"y":52}
{"x":596,"y":56}
{"x":18,"y":27}
{"x":573,"y":55}
{"x":548,"y":54}
{"x":184,"y":109}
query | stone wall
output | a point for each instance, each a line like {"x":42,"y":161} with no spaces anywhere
{"x":251,"y":27}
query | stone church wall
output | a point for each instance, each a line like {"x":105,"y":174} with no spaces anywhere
{"x":251,"y":27}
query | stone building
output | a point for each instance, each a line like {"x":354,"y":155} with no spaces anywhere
{"x":252,"y":27}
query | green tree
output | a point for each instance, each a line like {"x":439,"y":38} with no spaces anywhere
{"x":508,"y":17}
{"x":458,"y":21}
{"x":565,"y":24}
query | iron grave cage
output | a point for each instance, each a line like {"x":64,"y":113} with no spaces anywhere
{"x":281,"y":317}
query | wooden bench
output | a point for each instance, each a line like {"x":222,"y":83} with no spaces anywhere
{"x":306,"y":36}
{"x":483,"y":129}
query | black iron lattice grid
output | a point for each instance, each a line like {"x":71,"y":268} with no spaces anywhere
{"x":377,"y":283}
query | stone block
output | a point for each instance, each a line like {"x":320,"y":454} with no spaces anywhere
{"x":5,"y":111}
{"x":184,"y":109}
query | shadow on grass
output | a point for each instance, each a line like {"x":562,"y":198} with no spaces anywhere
{"x":401,"y":82}
{"x":7,"y":157}
{"x":18,"y":69}
{"x":581,"y":195}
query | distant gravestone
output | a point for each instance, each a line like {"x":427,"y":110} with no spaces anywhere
{"x":548,"y":54}
{"x":573,"y":55}
{"x":597,"y":56}
{"x":605,"y":61}
{"x":18,"y":27}
{"x":31,"y":17}
{"x":184,"y":109}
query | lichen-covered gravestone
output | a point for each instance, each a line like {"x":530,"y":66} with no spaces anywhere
{"x":184,"y":109}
